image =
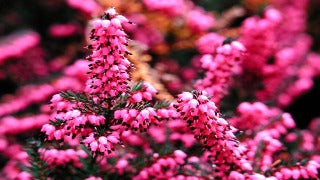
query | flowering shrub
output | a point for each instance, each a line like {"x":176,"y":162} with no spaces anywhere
{"x":167,"y":90}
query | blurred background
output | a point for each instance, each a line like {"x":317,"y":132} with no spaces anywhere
{"x":57,"y":32}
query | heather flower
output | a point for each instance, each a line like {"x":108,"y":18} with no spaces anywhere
{"x":26,"y":95}
{"x":167,"y":168}
{"x":309,"y":171}
{"x":199,"y":21}
{"x":121,"y":165}
{"x":140,"y":120}
{"x":56,"y":157}
{"x":220,"y":67}
{"x":24,"y":176}
{"x":101,"y":145}
{"x":208,"y":43}
{"x":107,"y":77}
{"x":145,"y":93}
{"x":303,"y":83}
{"x":212,"y":131}
{"x":87,"y":6}
{"x":109,"y":67}
{"x":100,"y":124}
{"x":258,"y":35}
{"x":93,"y":178}
{"x":12,"y":125}
{"x":63,"y":30}
{"x":170,"y":8}
{"x":16,"y":44}
{"x":27,"y":66}
{"x":108,"y":107}
{"x":253,"y":115}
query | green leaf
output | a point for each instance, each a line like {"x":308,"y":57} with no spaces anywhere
{"x":38,"y":168}
{"x":58,"y":122}
{"x":137,"y":86}
{"x":161,"y":104}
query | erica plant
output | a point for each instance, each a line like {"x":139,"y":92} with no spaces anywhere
{"x":168,"y":90}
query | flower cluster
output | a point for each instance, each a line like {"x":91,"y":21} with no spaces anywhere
{"x":213,"y":131}
{"x":259,"y":37}
{"x":108,"y":106}
{"x":16,"y":44}
{"x":172,"y":8}
{"x":87,"y":6}
{"x":276,"y":54}
{"x":220,"y":65}
{"x":62,"y":157}
{"x":248,"y":113}
{"x":167,"y":168}
{"x":109,"y":67}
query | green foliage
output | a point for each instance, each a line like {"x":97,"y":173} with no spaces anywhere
{"x":38,"y":168}
{"x":228,"y":40}
{"x":137,"y":86}
{"x":58,"y":122}
{"x":89,"y":106}
{"x":122,"y":101}
{"x":90,"y":167}
{"x":218,"y":5}
{"x":161,"y":104}
{"x":258,"y":155}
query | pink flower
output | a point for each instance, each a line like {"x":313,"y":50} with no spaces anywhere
{"x":234,"y":175}
{"x":122,"y":165}
{"x":103,"y":140}
{"x":199,"y":21}
{"x":288,"y":121}
{"x":171,"y":8}
{"x":211,"y":130}
{"x":137,"y":97}
{"x":93,"y":178}
{"x":94,"y":146}
{"x":220,"y":66}
{"x":208,"y":43}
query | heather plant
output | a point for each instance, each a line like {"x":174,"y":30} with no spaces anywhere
{"x":159,"y":90}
